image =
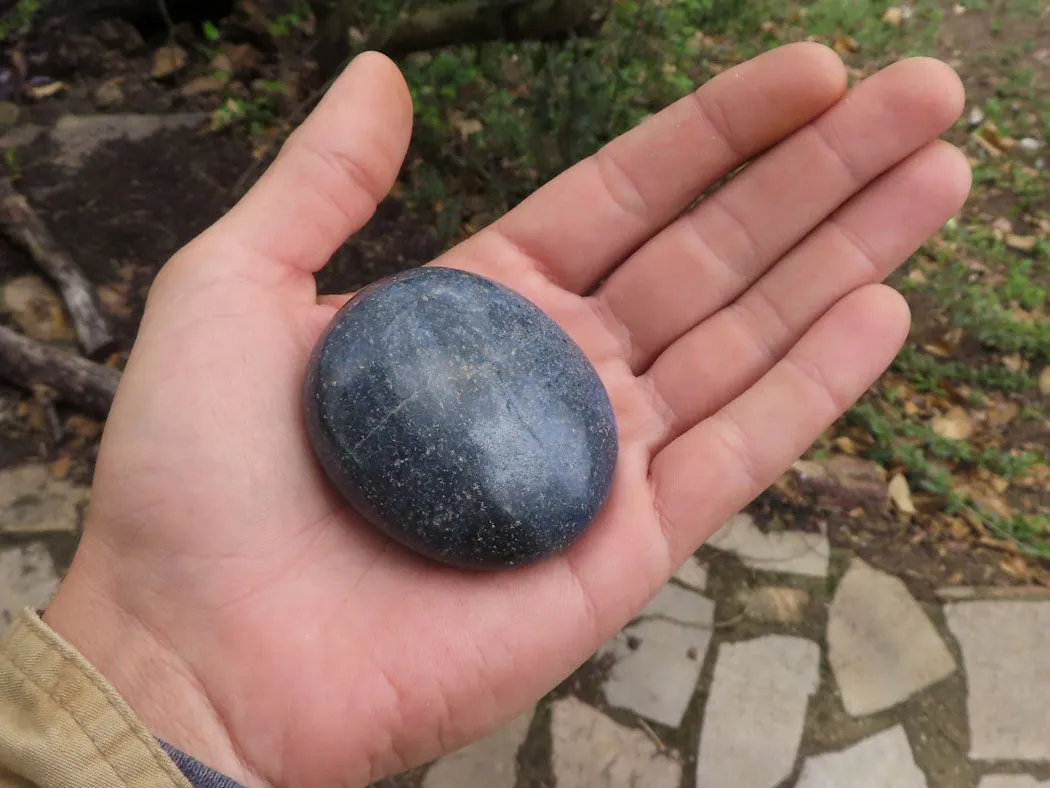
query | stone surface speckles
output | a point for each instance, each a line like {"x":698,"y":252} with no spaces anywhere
{"x":1006,"y":654}
{"x":461,"y":420}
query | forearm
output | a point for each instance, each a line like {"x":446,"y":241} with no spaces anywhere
{"x":148,"y":673}
{"x":63,"y":726}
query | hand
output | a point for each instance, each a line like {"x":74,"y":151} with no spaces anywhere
{"x":253,"y":621}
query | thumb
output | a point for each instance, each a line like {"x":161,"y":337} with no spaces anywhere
{"x":329,"y":177}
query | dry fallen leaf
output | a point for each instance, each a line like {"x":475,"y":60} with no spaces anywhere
{"x":990,"y":501}
{"x":1002,"y":227}
{"x":1021,"y":243}
{"x":1022,"y":315}
{"x":1044,"y":381}
{"x":168,"y":60}
{"x":222,"y":64}
{"x":1013,"y":362}
{"x":1016,"y":567}
{"x":845,"y":45}
{"x":917,"y":276}
{"x":900,"y":494}
{"x":466,"y":126}
{"x":60,"y":467}
{"x":35,"y":308}
{"x":956,"y":424}
{"x":1002,"y":413}
{"x":209,"y":83}
{"x":243,"y":57}
{"x":115,"y":360}
{"x":808,"y":469}
{"x":894,"y":16}
{"x":993,"y":150}
{"x":46,"y":90}
{"x":939,"y":349}
{"x":999,"y":484}
{"x":82,"y":427}
{"x":114,"y":299}
{"x":846,"y":445}
{"x":958,"y":528}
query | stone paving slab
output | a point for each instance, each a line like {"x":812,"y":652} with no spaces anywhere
{"x":693,"y":574}
{"x":793,"y":552}
{"x":592,"y":751}
{"x":488,"y":763}
{"x":1006,"y":655}
{"x":881,"y":645}
{"x":1011,"y":781}
{"x":681,"y":606}
{"x":27,"y":579}
{"x":756,"y":711}
{"x":883,"y":761}
{"x":31,"y":501}
{"x":658,"y":659}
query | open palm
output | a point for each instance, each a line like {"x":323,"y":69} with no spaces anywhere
{"x":253,"y":621}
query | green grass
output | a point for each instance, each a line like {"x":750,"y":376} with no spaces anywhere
{"x":20,"y":17}
{"x":864,"y":21}
{"x":929,"y":374}
{"x":898,"y":440}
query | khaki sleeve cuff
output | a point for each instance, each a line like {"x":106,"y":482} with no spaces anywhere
{"x":63,"y":726}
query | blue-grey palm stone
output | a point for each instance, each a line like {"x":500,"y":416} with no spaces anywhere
{"x":460,"y":420}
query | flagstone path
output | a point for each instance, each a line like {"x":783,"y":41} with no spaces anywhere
{"x":769,"y":661}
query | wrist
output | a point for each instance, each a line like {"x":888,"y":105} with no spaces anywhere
{"x":141,"y":663}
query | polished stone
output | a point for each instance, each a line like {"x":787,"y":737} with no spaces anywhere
{"x":461,"y":420}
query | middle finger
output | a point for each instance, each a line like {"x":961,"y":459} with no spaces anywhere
{"x":711,"y":255}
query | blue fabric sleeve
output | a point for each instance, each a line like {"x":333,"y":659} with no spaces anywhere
{"x":199,"y":775}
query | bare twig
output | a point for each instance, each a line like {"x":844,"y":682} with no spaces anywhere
{"x":31,"y":364}
{"x":456,"y":22}
{"x":22,"y":224}
{"x":166,"y":15}
{"x":652,"y":735}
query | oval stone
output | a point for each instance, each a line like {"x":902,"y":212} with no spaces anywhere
{"x":460,"y":420}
